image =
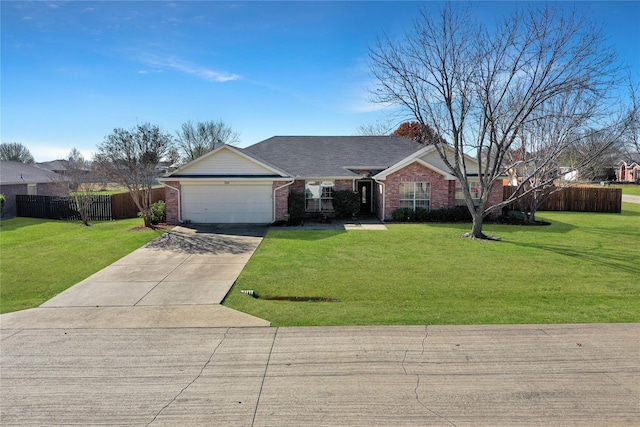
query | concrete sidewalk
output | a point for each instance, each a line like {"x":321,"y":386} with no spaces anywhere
{"x":543,"y":375}
{"x":630,"y":199}
{"x":177,"y":280}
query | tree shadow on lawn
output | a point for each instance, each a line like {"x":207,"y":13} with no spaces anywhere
{"x":609,"y":258}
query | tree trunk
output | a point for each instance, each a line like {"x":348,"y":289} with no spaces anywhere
{"x":476,"y":231}
{"x":147,"y":219}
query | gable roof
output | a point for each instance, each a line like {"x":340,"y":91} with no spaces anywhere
{"x":425,"y":158}
{"x":227,"y":161}
{"x":20,"y":173}
{"x":333,"y":156}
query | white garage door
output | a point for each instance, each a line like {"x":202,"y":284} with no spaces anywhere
{"x":227,"y":203}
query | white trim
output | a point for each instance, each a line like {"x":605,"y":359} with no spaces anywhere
{"x":414,"y":158}
{"x":219,"y":179}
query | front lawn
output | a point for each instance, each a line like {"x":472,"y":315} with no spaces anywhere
{"x":630,"y":189}
{"x":41,"y":258}
{"x":585,"y":267}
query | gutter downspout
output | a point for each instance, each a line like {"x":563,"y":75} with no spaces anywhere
{"x":273,"y":216}
{"x":179,"y":201}
{"x":384,"y":198}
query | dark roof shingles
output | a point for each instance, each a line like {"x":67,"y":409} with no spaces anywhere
{"x":330,"y":156}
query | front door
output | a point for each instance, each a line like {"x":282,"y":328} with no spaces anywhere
{"x":365,"y":191}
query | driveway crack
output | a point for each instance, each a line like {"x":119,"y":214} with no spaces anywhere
{"x":192,"y":381}
{"x":415,"y":390}
{"x":264,"y":376}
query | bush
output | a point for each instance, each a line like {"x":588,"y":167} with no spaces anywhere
{"x":158,"y":212}
{"x":346,"y":203}
{"x":404,"y":215}
{"x":296,"y":205}
{"x":455,"y":214}
{"x":2,"y":200}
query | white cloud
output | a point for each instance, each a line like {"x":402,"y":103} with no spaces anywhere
{"x":171,"y":62}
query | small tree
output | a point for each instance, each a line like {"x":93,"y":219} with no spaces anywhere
{"x":15,"y":152}
{"x":130,"y":157}
{"x":83,"y":184}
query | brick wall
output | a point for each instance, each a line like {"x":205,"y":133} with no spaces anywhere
{"x":171,"y":200}
{"x":282,"y":199}
{"x":441,"y":189}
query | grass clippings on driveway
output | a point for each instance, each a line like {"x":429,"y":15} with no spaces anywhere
{"x":41,"y":258}
{"x":582,"y":268}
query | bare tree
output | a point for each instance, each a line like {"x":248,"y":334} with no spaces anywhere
{"x":130,"y":157}
{"x":15,"y":152}
{"x":375,"y":129}
{"x":82,"y":183}
{"x":479,"y":88}
{"x":195,"y":140}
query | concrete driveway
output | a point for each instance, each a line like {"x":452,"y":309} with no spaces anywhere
{"x":177,"y":280}
{"x":142,"y":343}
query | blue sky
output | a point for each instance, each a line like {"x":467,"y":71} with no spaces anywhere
{"x":73,"y":71}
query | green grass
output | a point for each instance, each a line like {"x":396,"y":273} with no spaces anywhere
{"x":41,"y":258}
{"x":631,"y":189}
{"x":585,"y":267}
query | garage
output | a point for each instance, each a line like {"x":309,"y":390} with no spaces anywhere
{"x":227,"y":202}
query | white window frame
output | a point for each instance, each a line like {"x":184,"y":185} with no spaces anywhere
{"x":32,"y":189}
{"x":320,"y":192}
{"x":408,"y":195}
{"x":474,"y":188}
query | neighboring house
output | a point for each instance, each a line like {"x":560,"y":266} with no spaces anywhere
{"x":252,"y":185}
{"x":58,"y":166}
{"x":19,"y":178}
{"x":629,"y":172}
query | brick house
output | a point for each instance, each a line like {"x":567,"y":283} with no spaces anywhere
{"x":252,"y":185}
{"x":629,"y":172}
{"x":21,"y":179}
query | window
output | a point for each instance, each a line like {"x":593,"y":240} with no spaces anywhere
{"x":319,"y":196}
{"x":474,"y":188}
{"x":414,"y":195}
{"x":32,"y":189}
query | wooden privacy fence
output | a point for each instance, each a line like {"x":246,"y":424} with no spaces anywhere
{"x":101,"y":208}
{"x":123,"y":206}
{"x":575,"y":199}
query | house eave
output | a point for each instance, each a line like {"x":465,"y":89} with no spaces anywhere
{"x":222,"y":178}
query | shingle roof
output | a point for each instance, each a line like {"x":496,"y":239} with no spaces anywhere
{"x":20,"y":173}
{"x":332,"y":156}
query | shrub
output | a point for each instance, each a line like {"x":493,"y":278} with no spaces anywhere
{"x":422,"y":215}
{"x":455,"y":214}
{"x":296,"y":205}
{"x":403,"y":214}
{"x":158,"y":212}
{"x":2,"y":200}
{"x":346,"y":203}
